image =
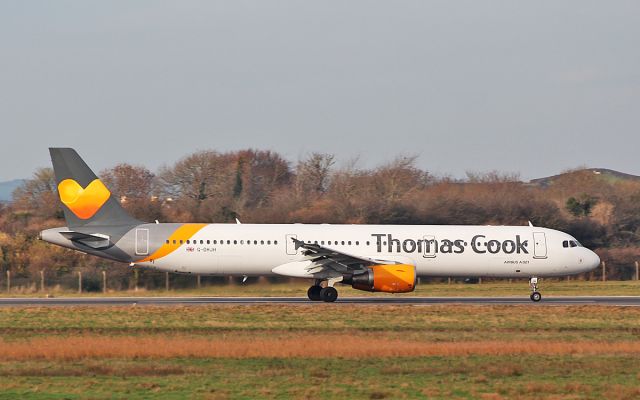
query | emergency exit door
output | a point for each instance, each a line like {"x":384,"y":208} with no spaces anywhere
{"x":430,"y":246}
{"x":291,"y":245}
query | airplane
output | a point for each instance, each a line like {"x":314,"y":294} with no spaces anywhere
{"x":376,"y":258}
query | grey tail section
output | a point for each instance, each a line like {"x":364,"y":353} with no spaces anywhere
{"x":67,"y":164}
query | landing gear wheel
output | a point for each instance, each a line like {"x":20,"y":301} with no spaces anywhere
{"x":533,"y":284}
{"x":328,"y":294}
{"x":314,"y":293}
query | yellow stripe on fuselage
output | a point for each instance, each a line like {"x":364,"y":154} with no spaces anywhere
{"x":185,"y":232}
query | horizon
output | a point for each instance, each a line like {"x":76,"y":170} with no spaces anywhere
{"x":347,"y":164}
{"x":353,"y":161}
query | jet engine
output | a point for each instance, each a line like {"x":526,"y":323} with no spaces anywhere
{"x":390,"y":278}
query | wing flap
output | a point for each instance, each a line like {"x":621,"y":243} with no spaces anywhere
{"x":321,"y":262}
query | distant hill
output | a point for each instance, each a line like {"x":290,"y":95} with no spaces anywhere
{"x":7,"y":188}
{"x":602,"y":173}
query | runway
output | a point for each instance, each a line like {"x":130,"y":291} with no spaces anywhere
{"x":158,"y":301}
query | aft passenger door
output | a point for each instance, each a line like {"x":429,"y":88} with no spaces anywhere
{"x":539,"y":245}
{"x":142,"y":242}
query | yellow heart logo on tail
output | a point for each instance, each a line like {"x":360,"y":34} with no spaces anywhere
{"x":83,"y":202}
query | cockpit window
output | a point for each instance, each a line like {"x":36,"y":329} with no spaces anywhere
{"x":571,"y":243}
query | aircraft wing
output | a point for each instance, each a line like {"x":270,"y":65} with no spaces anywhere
{"x":315,"y":252}
{"x":322,"y":262}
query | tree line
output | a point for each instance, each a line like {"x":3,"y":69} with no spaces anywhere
{"x":258,"y":186}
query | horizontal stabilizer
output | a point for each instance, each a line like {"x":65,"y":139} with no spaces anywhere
{"x":93,"y":240}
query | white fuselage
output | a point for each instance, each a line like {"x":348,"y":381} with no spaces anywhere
{"x":435,"y":250}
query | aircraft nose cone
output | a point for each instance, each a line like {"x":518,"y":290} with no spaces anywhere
{"x":593,"y":260}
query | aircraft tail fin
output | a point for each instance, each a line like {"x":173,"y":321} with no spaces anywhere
{"x":86,"y":201}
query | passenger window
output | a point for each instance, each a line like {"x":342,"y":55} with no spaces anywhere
{"x":565,"y":244}
{"x":181,"y":242}
{"x":201,"y":241}
{"x":167,"y":241}
{"x":174,"y":241}
{"x":342,"y":243}
{"x":367,"y":243}
{"x":275,"y":242}
{"x":262,"y":242}
{"x":255,"y":242}
{"x":357,"y":243}
{"x":215,"y":242}
{"x":188,"y":242}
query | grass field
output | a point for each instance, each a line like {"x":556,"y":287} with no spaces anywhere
{"x":551,"y":287}
{"x":308,"y":351}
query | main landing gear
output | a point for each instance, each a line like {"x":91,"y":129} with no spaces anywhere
{"x":535,"y":295}
{"x":314,"y":292}
{"x":327,"y":294}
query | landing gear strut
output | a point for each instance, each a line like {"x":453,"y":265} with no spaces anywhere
{"x":535,"y":295}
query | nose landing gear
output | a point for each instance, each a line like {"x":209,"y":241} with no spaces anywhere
{"x":535,"y":295}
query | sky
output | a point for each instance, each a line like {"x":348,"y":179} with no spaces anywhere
{"x":529,"y":87}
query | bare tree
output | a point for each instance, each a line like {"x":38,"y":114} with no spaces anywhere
{"x":258,"y":175}
{"x":133,"y":186}
{"x":38,"y":194}
{"x":199,"y":176}
{"x":313,"y":174}
{"x":129,"y":181}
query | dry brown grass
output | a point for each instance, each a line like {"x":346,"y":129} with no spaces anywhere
{"x":298,"y":345}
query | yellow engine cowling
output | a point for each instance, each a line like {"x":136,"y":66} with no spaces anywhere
{"x":390,"y":278}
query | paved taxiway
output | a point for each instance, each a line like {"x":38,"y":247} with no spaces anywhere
{"x":123,"y":301}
